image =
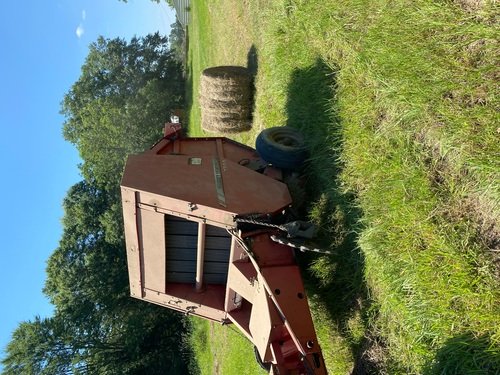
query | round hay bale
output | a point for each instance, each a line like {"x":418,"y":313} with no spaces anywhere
{"x":225,"y":94}
{"x":226,"y":99}
{"x":227,"y":75}
{"x":232,"y":109}
{"x":217,"y":124}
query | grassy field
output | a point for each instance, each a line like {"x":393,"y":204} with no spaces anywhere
{"x":222,"y":350}
{"x":399,"y":104}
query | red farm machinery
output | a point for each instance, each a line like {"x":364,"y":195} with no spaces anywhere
{"x":208,"y":234}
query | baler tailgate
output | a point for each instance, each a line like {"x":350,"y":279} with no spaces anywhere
{"x":186,"y":249}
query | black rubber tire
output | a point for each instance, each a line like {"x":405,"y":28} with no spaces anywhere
{"x":282,"y":146}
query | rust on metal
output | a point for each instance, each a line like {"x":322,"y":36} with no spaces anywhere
{"x":187,"y":252}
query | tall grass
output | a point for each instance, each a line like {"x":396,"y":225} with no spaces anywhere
{"x":399,"y":103}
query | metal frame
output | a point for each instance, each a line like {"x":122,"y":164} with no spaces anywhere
{"x":211,"y":181}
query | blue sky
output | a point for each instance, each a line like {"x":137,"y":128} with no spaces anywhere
{"x":44,"y":44}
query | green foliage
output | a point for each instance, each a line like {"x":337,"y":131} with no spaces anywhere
{"x":397,"y":101}
{"x":137,"y":340}
{"x":117,"y":106}
{"x":97,"y":327}
{"x":120,"y":102}
{"x":33,"y":350}
{"x":221,"y":350}
{"x":85,"y":269}
{"x":178,"y":42}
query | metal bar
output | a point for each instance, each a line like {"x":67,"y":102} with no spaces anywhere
{"x":220,"y":224}
{"x":220,"y":148}
{"x":200,"y":258}
{"x":237,"y":236}
{"x":219,"y":185}
{"x":140,"y":247}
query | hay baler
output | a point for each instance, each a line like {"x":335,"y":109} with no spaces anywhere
{"x":206,"y":234}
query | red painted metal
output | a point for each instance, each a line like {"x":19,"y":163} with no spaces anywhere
{"x":209,"y":181}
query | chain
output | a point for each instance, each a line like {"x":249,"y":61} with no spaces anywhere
{"x":251,"y":220}
{"x":301,"y":247}
{"x":281,"y":240}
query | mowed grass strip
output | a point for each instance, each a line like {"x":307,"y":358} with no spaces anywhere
{"x":221,"y":350}
{"x":398,"y":101}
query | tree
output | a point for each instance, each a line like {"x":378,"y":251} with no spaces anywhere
{"x":116,"y":107}
{"x":97,"y":328}
{"x":177,"y":39}
{"x":120,"y":102}
{"x":86,"y":270}
{"x":144,"y":340}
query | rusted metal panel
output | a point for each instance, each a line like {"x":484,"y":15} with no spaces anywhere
{"x":206,"y":304}
{"x":152,"y":247}
{"x":287,"y":289}
{"x":186,"y":210}
{"x":241,"y":279}
{"x":132,"y":242}
{"x":245,"y":191}
{"x":180,"y":198}
{"x":241,"y":318}
{"x":271,"y":253}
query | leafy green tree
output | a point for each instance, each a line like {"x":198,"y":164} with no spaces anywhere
{"x":97,"y":328}
{"x":117,"y":107}
{"x":120,"y":102}
{"x":177,"y":40}
{"x":85,"y":267}
{"x":144,"y":340}
{"x":32,"y":350}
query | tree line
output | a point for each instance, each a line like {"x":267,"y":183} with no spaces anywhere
{"x":115,"y":108}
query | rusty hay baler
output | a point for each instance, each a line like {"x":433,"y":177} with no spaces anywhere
{"x":207,"y":234}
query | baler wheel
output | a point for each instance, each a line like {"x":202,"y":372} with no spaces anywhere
{"x":282,"y":146}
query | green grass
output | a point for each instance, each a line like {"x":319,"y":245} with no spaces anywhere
{"x":221,"y":350}
{"x":399,"y":104}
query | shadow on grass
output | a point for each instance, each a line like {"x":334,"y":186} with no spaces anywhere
{"x":337,"y":279}
{"x":252,"y":61}
{"x":466,"y":354}
{"x":253,"y":68}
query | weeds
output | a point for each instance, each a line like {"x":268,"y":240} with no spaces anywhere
{"x":399,"y":103}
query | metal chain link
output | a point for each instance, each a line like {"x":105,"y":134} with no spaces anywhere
{"x":250,"y":220}
{"x":284,"y":241}
{"x":301,"y":247}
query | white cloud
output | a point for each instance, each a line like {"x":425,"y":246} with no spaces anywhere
{"x":84,"y":14}
{"x":80,"y":31}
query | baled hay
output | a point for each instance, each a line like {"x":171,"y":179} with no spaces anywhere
{"x":224,"y":125}
{"x":226,"y":99}
{"x":238,"y":110}
{"x":224,"y":95}
{"x":227,"y":72}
